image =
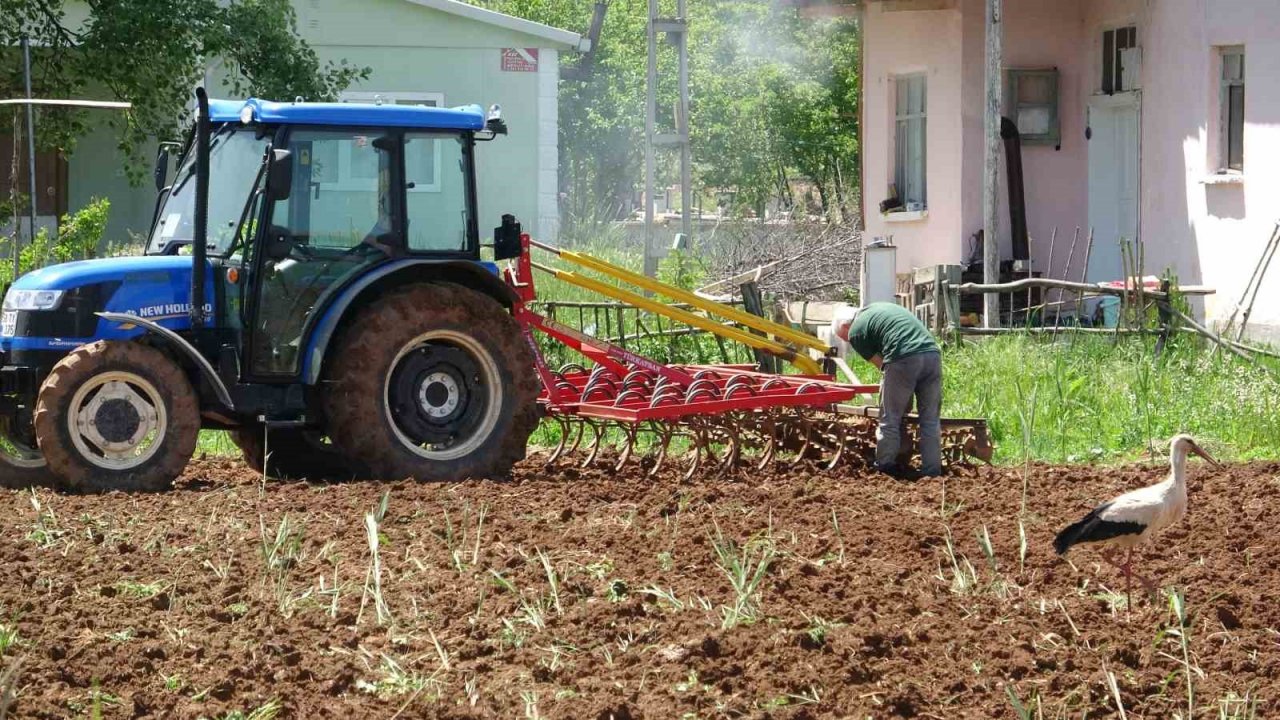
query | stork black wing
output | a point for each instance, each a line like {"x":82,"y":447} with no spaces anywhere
{"x":1092,"y":528}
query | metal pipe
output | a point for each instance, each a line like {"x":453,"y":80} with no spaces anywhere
{"x":777,"y":330}
{"x":31,"y":148}
{"x":801,"y":361}
{"x":199,"y":241}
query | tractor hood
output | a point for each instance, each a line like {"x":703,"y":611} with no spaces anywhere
{"x":157,"y":288}
{"x":68,"y":276}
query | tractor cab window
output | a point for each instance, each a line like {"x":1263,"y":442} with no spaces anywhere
{"x":436,"y":195}
{"x":340,"y":217}
{"x":235,"y":156}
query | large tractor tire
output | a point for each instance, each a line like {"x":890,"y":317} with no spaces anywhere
{"x":117,"y":416}
{"x":293,"y":453}
{"x":21,"y":467}
{"x":433,"y":382}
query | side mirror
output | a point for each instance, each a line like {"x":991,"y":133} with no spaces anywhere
{"x":506,"y":239}
{"x":279,"y":174}
{"x":161,"y":171}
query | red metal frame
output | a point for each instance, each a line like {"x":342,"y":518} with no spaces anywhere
{"x":628,"y":387}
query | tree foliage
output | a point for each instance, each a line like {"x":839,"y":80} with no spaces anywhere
{"x":773,"y":100}
{"x":152,"y":53}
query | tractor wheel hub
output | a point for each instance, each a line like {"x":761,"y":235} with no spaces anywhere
{"x":438,"y":395}
{"x":117,"y":420}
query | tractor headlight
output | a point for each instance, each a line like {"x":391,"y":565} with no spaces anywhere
{"x":32,"y":299}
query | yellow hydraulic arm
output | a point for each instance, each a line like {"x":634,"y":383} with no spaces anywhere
{"x":784,"y":345}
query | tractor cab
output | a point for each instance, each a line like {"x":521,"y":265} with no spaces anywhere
{"x":342,"y":191}
{"x":294,"y":241}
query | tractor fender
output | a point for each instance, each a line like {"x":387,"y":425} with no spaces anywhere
{"x":482,"y":277}
{"x":179,"y":342}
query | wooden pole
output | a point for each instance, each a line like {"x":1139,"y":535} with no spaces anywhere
{"x":1255,"y":281}
{"x":650,"y":125}
{"x":1009,"y":287}
{"x":991,"y":173}
{"x":31,"y":153}
{"x":1222,"y":342}
{"x":1084,"y":273}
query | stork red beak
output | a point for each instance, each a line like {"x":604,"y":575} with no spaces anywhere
{"x":1200,"y":451}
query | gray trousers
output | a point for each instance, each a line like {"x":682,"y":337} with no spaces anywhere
{"x":918,"y":376}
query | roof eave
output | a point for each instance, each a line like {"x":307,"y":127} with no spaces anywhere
{"x":565,"y":39}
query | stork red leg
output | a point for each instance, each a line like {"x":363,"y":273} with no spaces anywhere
{"x":1125,"y":568}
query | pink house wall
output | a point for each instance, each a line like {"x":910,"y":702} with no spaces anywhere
{"x":902,"y":44}
{"x":1207,"y":233}
{"x":950,"y":45}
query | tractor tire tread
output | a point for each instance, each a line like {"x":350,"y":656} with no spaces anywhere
{"x":355,"y":389}
{"x":181,"y":408}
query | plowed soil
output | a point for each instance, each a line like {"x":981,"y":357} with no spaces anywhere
{"x":588,"y":594}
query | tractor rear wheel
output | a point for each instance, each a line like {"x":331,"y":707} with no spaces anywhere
{"x":292,"y":453}
{"x":116,"y":416}
{"x":433,"y":382}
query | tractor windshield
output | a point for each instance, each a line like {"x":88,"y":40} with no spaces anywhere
{"x":235,"y":156}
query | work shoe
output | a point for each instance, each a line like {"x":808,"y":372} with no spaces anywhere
{"x":890,"y":469}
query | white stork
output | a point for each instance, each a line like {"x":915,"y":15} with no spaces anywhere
{"x":1133,"y":518}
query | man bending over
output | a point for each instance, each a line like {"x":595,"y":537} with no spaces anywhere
{"x":890,"y":337}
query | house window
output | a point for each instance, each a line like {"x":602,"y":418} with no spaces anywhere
{"x":909,"y":141}
{"x":1031,"y":99}
{"x":1119,"y":60}
{"x":1233,"y":108}
{"x":341,"y":169}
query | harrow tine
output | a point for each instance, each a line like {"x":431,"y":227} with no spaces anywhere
{"x":842,"y":439}
{"x":768,"y":427}
{"x":595,"y":445}
{"x":699,"y":437}
{"x":564,"y":437}
{"x":806,"y":428}
{"x":577,"y":440}
{"x":664,"y":441}
{"x":628,"y":446}
{"x":734,"y":452}
{"x":728,"y":428}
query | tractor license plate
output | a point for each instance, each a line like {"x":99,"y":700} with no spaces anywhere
{"x":9,"y":323}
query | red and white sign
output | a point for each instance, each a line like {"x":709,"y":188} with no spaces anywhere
{"x":520,"y":59}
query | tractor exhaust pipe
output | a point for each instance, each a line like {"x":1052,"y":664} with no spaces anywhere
{"x":199,"y":241}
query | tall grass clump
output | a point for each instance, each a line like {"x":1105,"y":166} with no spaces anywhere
{"x":1099,"y":398}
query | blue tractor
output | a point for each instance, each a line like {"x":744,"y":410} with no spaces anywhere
{"x":312,"y":283}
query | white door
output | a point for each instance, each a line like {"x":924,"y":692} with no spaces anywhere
{"x":1113,"y":181}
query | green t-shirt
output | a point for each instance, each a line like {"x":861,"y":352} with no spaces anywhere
{"x":890,"y":331}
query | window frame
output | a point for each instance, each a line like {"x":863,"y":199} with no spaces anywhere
{"x":1225,"y":84}
{"x":345,"y":180}
{"x":1112,"y":70}
{"x":901,"y":82}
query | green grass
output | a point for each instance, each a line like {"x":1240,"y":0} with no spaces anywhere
{"x":216,"y":443}
{"x":1078,"y":398}
{"x":1093,"y":399}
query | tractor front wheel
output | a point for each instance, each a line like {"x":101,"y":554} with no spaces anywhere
{"x":433,"y":382}
{"x":22,"y":467}
{"x":116,"y":416}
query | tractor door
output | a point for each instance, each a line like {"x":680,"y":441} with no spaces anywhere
{"x":341,"y":217}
